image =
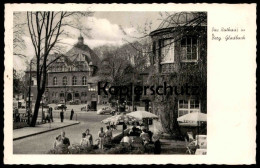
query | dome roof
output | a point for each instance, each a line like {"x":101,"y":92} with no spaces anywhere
{"x":182,"y":19}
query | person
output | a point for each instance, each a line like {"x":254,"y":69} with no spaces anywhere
{"x":71,"y":114}
{"x":145,"y":136}
{"x":61,"y":115}
{"x":58,"y":142}
{"x":51,"y":116}
{"x":109,"y":134}
{"x":150,"y":135}
{"x":89,"y":137}
{"x":17,"y":115}
{"x":133,"y":131}
{"x":101,"y":136}
{"x":157,"y":144}
{"x":84,"y":141}
{"x":113,"y":126}
{"x":193,"y":145}
{"x":64,"y":139}
{"x":126,"y":139}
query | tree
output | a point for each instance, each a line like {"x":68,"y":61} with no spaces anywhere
{"x":45,"y":29}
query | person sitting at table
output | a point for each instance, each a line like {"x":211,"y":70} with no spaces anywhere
{"x":84,"y":141}
{"x":126,"y":139}
{"x":193,"y":146}
{"x":145,"y":136}
{"x":133,"y":131}
{"x":150,"y":135}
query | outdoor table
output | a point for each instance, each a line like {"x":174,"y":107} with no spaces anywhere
{"x":201,"y":152}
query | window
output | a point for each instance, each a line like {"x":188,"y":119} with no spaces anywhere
{"x":84,"y":80}
{"x":92,"y":88}
{"x":74,"y":80}
{"x":55,"y":81}
{"x":189,"y":49}
{"x":76,"y":95}
{"x":84,"y":94}
{"x":188,"y":106}
{"x":64,"y":80}
{"x":167,"y":51}
{"x":93,"y":96}
{"x":61,"y":94}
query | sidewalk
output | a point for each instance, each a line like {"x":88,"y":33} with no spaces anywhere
{"x":39,"y":129}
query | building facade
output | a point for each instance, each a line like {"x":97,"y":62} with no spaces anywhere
{"x":179,"y":58}
{"x":72,"y":77}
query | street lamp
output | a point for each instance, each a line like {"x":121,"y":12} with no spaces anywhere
{"x":42,"y":108}
{"x":30,"y":83}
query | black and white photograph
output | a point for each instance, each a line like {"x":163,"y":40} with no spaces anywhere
{"x":102,"y":82}
{"x":110,"y":82}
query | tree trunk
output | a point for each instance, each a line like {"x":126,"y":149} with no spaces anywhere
{"x":36,"y":109}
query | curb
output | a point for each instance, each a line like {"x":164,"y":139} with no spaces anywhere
{"x":37,"y":133}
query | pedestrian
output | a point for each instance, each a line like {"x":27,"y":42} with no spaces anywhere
{"x":101,"y":136}
{"x":71,"y":114}
{"x":61,"y":115}
{"x":89,"y":137}
{"x":51,"y":116}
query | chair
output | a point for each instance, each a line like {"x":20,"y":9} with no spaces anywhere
{"x":188,"y":151}
{"x":202,"y":141}
{"x":190,"y":136}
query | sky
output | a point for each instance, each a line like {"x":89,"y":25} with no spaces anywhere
{"x":107,"y":28}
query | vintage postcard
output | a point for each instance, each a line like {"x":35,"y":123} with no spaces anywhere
{"x":142,"y":83}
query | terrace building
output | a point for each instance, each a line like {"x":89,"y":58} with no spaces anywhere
{"x":179,"y":57}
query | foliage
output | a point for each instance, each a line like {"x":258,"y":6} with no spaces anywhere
{"x":18,"y":82}
{"x":113,"y":149}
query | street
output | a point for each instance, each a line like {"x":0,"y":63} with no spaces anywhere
{"x":40,"y":144}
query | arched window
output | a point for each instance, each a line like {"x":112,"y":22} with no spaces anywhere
{"x":74,"y":80}
{"x":84,"y":80}
{"x":64,"y":80}
{"x":55,"y":81}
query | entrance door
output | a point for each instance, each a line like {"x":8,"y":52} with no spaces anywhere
{"x":94,"y":105}
{"x":69,"y":97}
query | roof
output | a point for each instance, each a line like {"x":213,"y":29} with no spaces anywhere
{"x":79,"y":52}
{"x":82,"y":52}
{"x":182,"y":19}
